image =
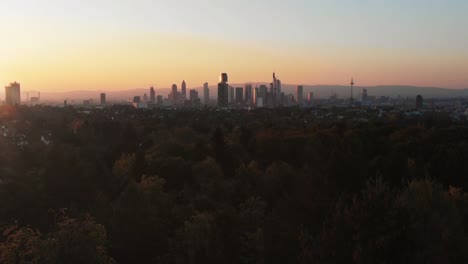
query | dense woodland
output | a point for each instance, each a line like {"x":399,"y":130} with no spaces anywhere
{"x":119,"y":185}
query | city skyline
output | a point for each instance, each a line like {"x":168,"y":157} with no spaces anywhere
{"x":102,"y":45}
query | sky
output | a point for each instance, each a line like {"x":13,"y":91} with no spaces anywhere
{"x":64,"y":45}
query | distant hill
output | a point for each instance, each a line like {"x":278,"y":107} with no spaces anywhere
{"x":320,"y":91}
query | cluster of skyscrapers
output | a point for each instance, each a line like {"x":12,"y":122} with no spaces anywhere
{"x":258,"y":96}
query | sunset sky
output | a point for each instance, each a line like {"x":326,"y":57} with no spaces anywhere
{"x":59,"y":45}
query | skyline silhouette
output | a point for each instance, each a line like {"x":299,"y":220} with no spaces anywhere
{"x":63,"y":45}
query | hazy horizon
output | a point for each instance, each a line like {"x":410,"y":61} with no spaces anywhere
{"x":117,"y":45}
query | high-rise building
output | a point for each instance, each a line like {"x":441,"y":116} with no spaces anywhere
{"x":364,"y":95}
{"x":262,"y":92}
{"x":206,"y":94}
{"x":136,"y":99}
{"x":193,"y":95}
{"x":239,"y":95}
{"x":223,"y":78}
{"x":145,"y":98}
{"x":184,"y":90}
{"x":231,"y":95}
{"x":300,"y":94}
{"x":275,"y":90}
{"x":248,"y":94}
{"x":159,"y":100}
{"x":223,"y":91}
{"x":255,"y":96}
{"x":13,"y":94}
{"x":103,"y":98}
{"x":152,"y":95}
{"x":310,"y":98}
{"x":173,"y":96}
{"x":419,"y":101}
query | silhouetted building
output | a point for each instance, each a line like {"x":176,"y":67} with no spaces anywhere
{"x":364,"y":95}
{"x":231,"y":95}
{"x":300,"y":94}
{"x":248,"y":94}
{"x":145,"y":98}
{"x":224,"y":78}
{"x":255,"y":96}
{"x":262,"y":92}
{"x":13,"y":94}
{"x":206,"y":93}
{"x":184,"y":90}
{"x":159,"y":100}
{"x":223,"y":91}
{"x":136,"y":99}
{"x":239,"y":95}
{"x":193,"y":95}
{"x":173,"y":96}
{"x":419,"y":102}
{"x":103,"y":98}
{"x":310,"y":98}
{"x":152,"y":95}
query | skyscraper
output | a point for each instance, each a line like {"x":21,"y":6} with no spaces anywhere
{"x":255,"y":96}
{"x":239,"y":95}
{"x":184,"y":90}
{"x":231,"y":95}
{"x":152,"y":95}
{"x":275,"y":90}
{"x":193,"y":95}
{"x":223,"y":91}
{"x":174,"y":94}
{"x":248,"y":94}
{"x":262,"y":92}
{"x":300,"y":94}
{"x":206,"y":93}
{"x":103,"y":98}
{"x":419,"y":101}
{"x":160,"y":100}
{"x":13,"y":94}
{"x":310,"y":98}
{"x":364,"y":95}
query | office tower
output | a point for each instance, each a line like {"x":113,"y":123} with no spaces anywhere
{"x":193,"y":95}
{"x":13,"y":94}
{"x":291,"y":100}
{"x":419,"y":102}
{"x":275,"y":90}
{"x":231,"y":95}
{"x":352,"y":86}
{"x":152,"y":95}
{"x":223,"y":91}
{"x":206,"y":94}
{"x":239,"y":95}
{"x":184,"y":90}
{"x":145,"y":98}
{"x":364,"y":95}
{"x":174,"y":94}
{"x":136,"y":99}
{"x":262,"y":92}
{"x":159,"y":100}
{"x":299,"y":94}
{"x":255,"y":96}
{"x":103,"y":98}
{"x":223,"y":78}
{"x":248,"y":94}
{"x":310,"y":98}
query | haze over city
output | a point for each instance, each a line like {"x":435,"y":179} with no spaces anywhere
{"x":56,"y":46}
